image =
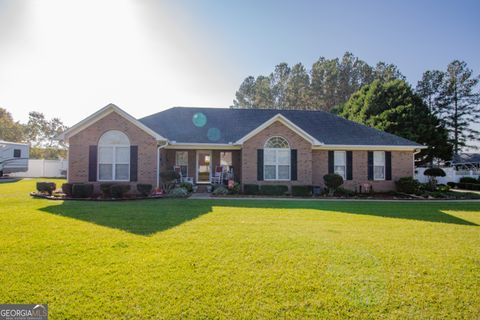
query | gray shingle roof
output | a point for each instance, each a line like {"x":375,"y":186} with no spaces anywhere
{"x":466,"y":158}
{"x":184,"y":125}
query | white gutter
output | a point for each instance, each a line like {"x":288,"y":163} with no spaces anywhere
{"x":158,"y":162}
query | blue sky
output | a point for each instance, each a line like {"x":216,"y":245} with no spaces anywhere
{"x":68,"y":58}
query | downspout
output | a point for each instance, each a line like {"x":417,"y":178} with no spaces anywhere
{"x":158,"y":162}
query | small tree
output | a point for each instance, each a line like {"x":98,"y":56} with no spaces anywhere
{"x":168,"y":179}
{"x":332,"y":181}
{"x":432,"y":174}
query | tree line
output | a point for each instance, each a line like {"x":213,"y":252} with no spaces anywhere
{"x":439,"y":112}
{"x":329,"y":83}
{"x":39,"y":131}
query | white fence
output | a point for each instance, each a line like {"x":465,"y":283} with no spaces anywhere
{"x":452,"y":175}
{"x":40,"y":168}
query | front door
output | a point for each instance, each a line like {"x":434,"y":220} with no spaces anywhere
{"x":204,"y":164}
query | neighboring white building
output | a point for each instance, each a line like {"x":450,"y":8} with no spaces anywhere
{"x":13,"y":157}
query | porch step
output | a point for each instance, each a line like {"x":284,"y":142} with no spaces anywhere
{"x":201,"y":188}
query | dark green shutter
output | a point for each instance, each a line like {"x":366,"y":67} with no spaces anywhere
{"x":330,"y":162}
{"x":260,"y":164}
{"x":370,"y":165}
{"x":388,"y":165}
{"x":92,"y":163}
{"x":293,"y":162}
{"x":133,"y":163}
{"x":349,"y":165}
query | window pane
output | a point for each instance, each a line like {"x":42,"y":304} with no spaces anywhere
{"x":283,"y":156}
{"x":105,"y":155}
{"x":340,"y":170}
{"x":181,"y":158}
{"x":378,"y":172}
{"x":269,"y":172}
{"x":121,"y":171}
{"x":122,"y":155}
{"x":269,"y":156}
{"x":105,"y":172}
{"x":339,"y":157}
{"x":276,"y":142}
{"x":225,"y":158}
{"x":113,"y":137}
{"x":284,"y":172}
{"x":378,"y":158}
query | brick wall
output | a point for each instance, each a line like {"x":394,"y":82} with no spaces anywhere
{"x":80,"y":142}
{"x":402,"y":166}
{"x":304,"y":155}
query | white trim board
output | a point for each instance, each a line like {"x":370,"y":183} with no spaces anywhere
{"x":289,"y":124}
{"x":101,"y":114}
{"x":368,"y":147}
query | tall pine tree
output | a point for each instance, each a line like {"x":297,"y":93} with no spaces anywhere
{"x":455,"y":97}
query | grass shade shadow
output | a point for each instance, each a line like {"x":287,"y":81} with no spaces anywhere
{"x":149,"y":217}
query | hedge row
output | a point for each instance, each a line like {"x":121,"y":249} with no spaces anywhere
{"x":85,"y":190}
{"x":468,"y":186}
{"x":277,"y":190}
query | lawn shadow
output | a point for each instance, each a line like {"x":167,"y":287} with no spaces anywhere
{"x":139,"y":217}
{"x":152,"y":216}
{"x":427,"y":211}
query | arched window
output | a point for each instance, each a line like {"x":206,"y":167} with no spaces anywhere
{"x":114,"y":156}
{"x":276,"y":159}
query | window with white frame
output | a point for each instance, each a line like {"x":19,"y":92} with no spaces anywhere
{"x":379,"y":165}
{"x":340,"y":163}
{"x":114,"y":156}
{"x":276,"y":159}
{"x":226,"y":158}
{"x":181,"y":160}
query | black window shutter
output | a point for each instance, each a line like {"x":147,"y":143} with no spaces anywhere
{"x":260,"y":164}
{"x":293,"y":162}
{"x":349,"y":165}
{"x":133,"y":163}
{"x":388,"y":165}
{"x":92,"y":163}
{"x":370,"y":165}
{"x":330,"y":162}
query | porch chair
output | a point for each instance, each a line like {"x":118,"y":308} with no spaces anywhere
{"x":217,"y":177}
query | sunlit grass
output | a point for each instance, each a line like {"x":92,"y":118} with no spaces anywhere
{"x":239,"y":259}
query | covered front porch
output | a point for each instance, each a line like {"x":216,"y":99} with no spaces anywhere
{"x":203,"y":166}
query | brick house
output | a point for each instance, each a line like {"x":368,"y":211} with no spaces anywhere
{"x":257,"y":146}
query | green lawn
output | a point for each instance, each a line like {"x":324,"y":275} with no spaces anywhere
{"x":239,"y":259}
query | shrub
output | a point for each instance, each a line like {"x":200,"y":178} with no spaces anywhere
{"x":302,"y":191}
{"x":235,"y":189}
{"x":82,"y":190}
{"x":443,"y":188}
{"x":187,"y":186}
{"x":220,"y":191}
{"x":105,"y":188}
{"x":469,"y":186}
{"x":144,"y":189}
{"x":169,"y":178}
{"x":118,"y":190}
{"x":407,"y":185}
{"x":469,"y":180}
{"x":251,"y":189}
{"x":46,"y":187}
{"x":177,"y":193}
{"x":434,"y":172}
{"x":451,"y":184}
{"x":67,"y":189}
{"x":332,"y":181}
{"x":273,"y":190}
{"x":342,"y":192}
